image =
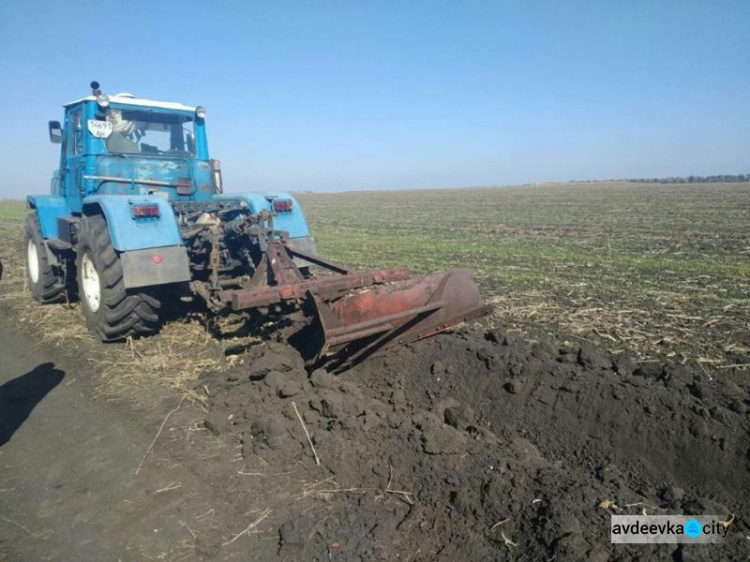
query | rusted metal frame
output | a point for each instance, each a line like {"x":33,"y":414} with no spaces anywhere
{"x":274,"y":261}
{"x":351,"y":333}
{"x":200,"y":288}
{"x":327,"y":289}
{"x":348,"y":338}
{"x":404,"y":333}
{"x":380,"y":344}
{"x":434,"y":303}
{"x":332,"y":327}
{"x":260,"y":277}
{"x":282,"y":266}
{"x":336,"y":334}
{"x":215,"y":258}
{"x":428,"y":330}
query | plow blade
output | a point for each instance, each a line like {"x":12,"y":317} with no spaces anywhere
{"x":374,"y":321}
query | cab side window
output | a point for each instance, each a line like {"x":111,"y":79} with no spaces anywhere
{"x":76,"y":140}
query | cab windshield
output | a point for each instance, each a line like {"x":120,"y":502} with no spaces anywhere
{"x":146,"y":132}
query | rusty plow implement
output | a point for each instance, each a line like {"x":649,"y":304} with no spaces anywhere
{"x":360,"y":313}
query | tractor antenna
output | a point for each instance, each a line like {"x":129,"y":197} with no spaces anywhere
{"x":190,"y":89}
{"x":95,"y":91}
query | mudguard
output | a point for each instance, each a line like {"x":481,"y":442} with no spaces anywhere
{"x":128,"y":233}
{"x":150,"y":249}
{"x":292,"y":221}
{"x":48,"y":208}
{"x":155,"y":266}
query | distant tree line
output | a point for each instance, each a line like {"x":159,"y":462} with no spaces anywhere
{"x":722,"y":178}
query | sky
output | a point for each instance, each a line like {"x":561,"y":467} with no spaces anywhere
{"x":380,"y":94}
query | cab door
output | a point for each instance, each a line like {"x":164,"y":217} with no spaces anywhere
{"x":75,"y":160}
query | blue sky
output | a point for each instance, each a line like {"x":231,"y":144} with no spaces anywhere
{"x":335,"y":94}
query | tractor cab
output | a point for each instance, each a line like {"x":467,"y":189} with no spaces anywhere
{"x":124,"y":145}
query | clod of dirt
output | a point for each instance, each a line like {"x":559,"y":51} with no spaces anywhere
{"x":591,"y":357}
{"x":216,"y":422}
{"x":322,"y":378}
{"x":459,"y":417}
{"x":673,"y":494}
{"x":296,"y":532}
{"x":262,"y":363}
{"x":261,"y":434}
{"x":737,"y":406}
{"x":439,"y":438}
{"x":700,"y":506}
{"x":514,"y":386}
{"x":285,"y":385}
{"x":624,"y":364}
{"x":653,"y":371}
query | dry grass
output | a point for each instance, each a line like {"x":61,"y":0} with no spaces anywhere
{"x":174,"y":358}
{"x":648,"y":332}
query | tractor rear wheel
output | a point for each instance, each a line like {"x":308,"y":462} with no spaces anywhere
{"x":45,"y":281}
{"x":112,"y":312}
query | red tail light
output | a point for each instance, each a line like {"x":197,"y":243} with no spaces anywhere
{"x":145,"y":211}
{"x":282,"y":205}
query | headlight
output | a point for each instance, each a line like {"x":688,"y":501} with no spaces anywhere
{"x":200,"y":112}
{"x":102,"y":100}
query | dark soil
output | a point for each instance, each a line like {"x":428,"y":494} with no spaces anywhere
{"x":485,"y":446}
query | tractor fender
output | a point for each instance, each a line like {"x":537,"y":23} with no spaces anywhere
{"x":291,"y":221}
{"x":48,"y":209}
{"x":127,"y":232}
{"x":150,"y":249}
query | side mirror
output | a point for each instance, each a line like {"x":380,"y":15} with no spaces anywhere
{"x":55,"y":132}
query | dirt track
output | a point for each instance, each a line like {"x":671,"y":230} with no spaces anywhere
{"x":67,"y":464}
{"x":471,"y":446}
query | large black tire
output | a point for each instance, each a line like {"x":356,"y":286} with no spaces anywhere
{"x":112,"y":312}
{"x":45,"y":281}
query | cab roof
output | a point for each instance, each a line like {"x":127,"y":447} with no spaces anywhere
{"x":139,"y":102}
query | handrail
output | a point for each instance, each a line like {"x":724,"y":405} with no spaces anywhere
{"x":131,"y":180}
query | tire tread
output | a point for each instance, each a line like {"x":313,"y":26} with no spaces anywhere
{"x":51,"y":287}
{"x":122,"y":313}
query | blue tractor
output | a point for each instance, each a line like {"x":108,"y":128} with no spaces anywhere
{"x":137,"y":214}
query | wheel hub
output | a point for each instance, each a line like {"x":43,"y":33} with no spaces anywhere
{"x":90,"y":281}
{"x":32,"y":258}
